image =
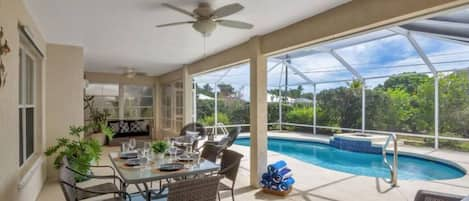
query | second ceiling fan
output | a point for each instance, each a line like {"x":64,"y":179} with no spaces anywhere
{"x":206,"y":19}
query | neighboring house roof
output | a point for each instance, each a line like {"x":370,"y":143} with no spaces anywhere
{"x":303,"y":100}
{"x":205,"y":97}
{"x":271,"y":98}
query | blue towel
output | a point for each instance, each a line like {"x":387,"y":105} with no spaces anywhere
{"x":282,"y":175}
{"x":266,"y":183}
{"x":286,"y":184}
{"x":277,"y":166}
{"x":267,"y":177}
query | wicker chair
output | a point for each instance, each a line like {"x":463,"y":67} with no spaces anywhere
{"x":199,"y":189}
{"x":74,"y":193}
{"x":195,"y":127}
{"x":211,"y":152}
{"x":230,"y":162}
{"x":423,"y":195}
{"x":233,"y":135}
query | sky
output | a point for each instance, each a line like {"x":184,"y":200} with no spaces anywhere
{"x":384,"y":57}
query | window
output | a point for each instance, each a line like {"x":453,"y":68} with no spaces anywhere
{"x":138,"y":102}
{"x":26,"y":106}
{"x":172,"y":106}
{"x":121,"y":101}
{"x":104,"y":97}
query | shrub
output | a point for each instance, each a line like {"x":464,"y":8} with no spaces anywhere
{"x":210,"y":120}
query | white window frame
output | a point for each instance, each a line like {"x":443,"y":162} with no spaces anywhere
{"x":26,"y":50}
{"x":121,"y":101}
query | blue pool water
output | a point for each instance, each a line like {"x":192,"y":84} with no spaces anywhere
{"x":323,"y":155}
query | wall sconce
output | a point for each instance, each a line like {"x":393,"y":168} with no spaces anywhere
{"x":4,"y":49}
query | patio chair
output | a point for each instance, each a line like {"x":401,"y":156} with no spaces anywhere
{"x":198,"y":189}
{"x":74,"y":193}
{"x":233,"y":135}
{"x":230,"y":162}
{"x":423,"y":195}
{"x":194,"y":127}
{"x":211,"y":152}
{"x":228,"y":140}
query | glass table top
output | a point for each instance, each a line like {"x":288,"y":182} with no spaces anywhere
{"x":151,"y":172}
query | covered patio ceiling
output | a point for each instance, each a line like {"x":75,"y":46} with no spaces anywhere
{"x":120,"y":33}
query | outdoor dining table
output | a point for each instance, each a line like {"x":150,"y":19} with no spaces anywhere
{"x":150,"y":172}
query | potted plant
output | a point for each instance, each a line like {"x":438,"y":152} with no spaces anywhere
{"x":159,"y":148}
{"x":96,"y":117}
{"x":80,"y":151}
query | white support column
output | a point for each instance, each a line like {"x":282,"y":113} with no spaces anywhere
{"x":280,"y":98}
{"x":215,"y":110}
{"x":437,"y":111}
{"x":363,"y":105}
{"x":194,"y":99}
{"x":258,"y":111}
{"x":314,"y":109}
{"x":187,"y":97}
{"x":432,"y":68}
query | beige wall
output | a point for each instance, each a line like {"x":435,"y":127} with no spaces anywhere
{"x":64,"y":84}
{"x":12,"y":13}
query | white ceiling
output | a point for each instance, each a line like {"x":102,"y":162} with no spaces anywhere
{"x":120,"y":33}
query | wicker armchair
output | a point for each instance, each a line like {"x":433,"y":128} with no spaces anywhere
{"x":211,"y":152}
{"x":194,"y":127}
{"x":230,"y":162}
{"x":423,"y":195}
{"x":74,"y":193}
{"x":199,"y":189}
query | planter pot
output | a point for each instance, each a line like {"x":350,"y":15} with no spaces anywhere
{"x":100,"y":137}
{"x":158,"y":156}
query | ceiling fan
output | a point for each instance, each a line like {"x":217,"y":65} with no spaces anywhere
{"x":206,"y":19}
{"x":132,"y":73}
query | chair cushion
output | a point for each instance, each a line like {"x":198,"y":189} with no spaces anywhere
{"x":106,"y":187}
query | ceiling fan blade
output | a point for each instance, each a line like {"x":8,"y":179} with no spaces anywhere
{"x":175,"y":23}
{"x":180,"y":10}
{"x":235,"y":24}
{"x":227,"y":10}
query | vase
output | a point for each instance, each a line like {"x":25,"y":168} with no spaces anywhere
{"x":158,"y":156}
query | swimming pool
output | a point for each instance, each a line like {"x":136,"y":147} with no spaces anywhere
{"x":323,"y":155}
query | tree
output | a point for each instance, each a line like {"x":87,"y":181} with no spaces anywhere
{"x":226,"y":90}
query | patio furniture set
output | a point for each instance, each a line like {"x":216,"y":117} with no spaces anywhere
{"x":179,"y":178}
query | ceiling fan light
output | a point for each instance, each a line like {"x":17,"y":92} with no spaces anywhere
{"x":206,"y":27}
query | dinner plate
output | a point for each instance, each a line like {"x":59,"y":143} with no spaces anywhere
{"x":128,"y":155}
{"x":171,"y":167}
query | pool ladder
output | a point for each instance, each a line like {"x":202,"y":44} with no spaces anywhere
{"x":392,"y":168}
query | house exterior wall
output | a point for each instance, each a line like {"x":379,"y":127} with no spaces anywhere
{"x":64,"y":85}
{"x":13,"y":13}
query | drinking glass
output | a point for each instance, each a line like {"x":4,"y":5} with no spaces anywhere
{"x":172,"y":151}
{"x":132,"y":143}
{"x":146,"y":150}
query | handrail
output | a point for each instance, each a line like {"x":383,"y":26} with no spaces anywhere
{"x":394,"y":167}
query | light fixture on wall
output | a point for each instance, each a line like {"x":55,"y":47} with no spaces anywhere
{"x":4,"y":49}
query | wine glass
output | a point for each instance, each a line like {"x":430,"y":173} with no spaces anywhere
{"x":146,"y":150}
{"x":132,"y":143}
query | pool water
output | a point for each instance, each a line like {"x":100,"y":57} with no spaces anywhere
{"x":326,"y":156}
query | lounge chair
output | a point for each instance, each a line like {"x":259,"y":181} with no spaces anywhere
{"x":423,"y":195}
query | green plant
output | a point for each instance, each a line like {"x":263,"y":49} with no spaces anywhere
{"x":210,"y":120}
{"x":160,"y":146}
{"x":80,"y":151}
{"x":98,"y":118}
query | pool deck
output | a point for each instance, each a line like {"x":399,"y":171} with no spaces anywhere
{"x":317,"y":183}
